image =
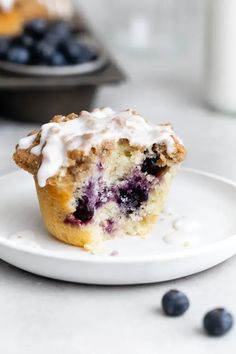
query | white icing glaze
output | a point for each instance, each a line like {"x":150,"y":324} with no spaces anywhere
{"x":90,"y":130}
{"x":24,"y":238}
{"x":6,"y":5}
{"x":185,"y":224}
{"x":185,"y":232}
{"x":181,"y":238}
{"x":24,"y":143}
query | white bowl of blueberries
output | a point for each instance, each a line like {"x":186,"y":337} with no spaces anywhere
{"x":51,"y":48}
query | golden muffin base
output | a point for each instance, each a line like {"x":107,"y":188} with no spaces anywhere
{"x":10,"y":23}
{"x":54,"y":208}
{"x":54,"y":205}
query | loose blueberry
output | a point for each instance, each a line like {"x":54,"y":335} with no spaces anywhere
{"x":131,"y":198}
{"x":36,"y":28}
{"x":175,"y":303}
{"x":18,"y":55}
{"x":149,"y":165}
{"x":217,"y":322}
{"x":57,"y":59}
{"x":4,"y":46}
{"x":84,"y":211}
{"x":43,"y":52}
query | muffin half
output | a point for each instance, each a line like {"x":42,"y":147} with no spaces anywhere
{"x":100,"y":175}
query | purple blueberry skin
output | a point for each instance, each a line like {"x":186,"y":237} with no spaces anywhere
{"x":4,"y":46}
{"x":217,"y":322}
{"x":43,"y":52}
{"x":57,"y":59}
{"x":87,"y":54}
{"x":25,"y":40}
{"x":61,"y":29}
{"x":149,"y":166}
{"x":131,"y":198}
{"x":84,"y":211}
{"x":71,"y":51}
{"x":46,"y":43}
{"x":175,"y":303}
{"x":18,"y":55}
{"x":129,"y":195}
{"x":70,"y":219}
{"x":100,"y":167}
{"x":36,"y":28}
{"x":108,"y":226}
{"x":133,"y":192}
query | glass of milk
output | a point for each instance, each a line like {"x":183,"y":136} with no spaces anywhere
{"x":220,"y":58}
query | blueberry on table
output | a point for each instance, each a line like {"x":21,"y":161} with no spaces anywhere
{"x":149,"y":165}
{"x":4,"y":46}
{"x":217,"y":322}
{"x":18,"y":55}
{"x":175,"y":303}
{"x":36,"y":28}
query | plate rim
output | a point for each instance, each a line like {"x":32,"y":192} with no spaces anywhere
{"x":105,"y":259}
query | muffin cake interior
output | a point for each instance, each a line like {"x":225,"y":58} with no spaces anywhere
{"x":100,"y":175}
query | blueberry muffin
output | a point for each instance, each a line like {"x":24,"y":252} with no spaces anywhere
{"x":100,"y":175}
{"x":10,"y":18}
{"x":15,"y":13}
{"x":31,"y":9}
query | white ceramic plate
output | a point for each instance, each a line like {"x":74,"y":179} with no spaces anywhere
{"x":196,"y":231}
{"x":78,"y":69}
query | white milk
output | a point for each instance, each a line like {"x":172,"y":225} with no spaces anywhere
{"x":220,"y":65}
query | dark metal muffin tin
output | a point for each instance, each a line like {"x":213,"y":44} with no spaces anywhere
{"x":38,"y":98}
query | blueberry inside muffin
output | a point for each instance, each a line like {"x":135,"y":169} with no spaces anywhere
{"x":100,"y":175}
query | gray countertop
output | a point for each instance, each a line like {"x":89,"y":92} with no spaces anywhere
{"x":39,"y":315}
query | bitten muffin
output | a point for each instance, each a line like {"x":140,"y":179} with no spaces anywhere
{"x":100,"y":175}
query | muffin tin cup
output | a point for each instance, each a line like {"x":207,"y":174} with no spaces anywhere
{"x":37,"y":94}
{"x":36,"y":99}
